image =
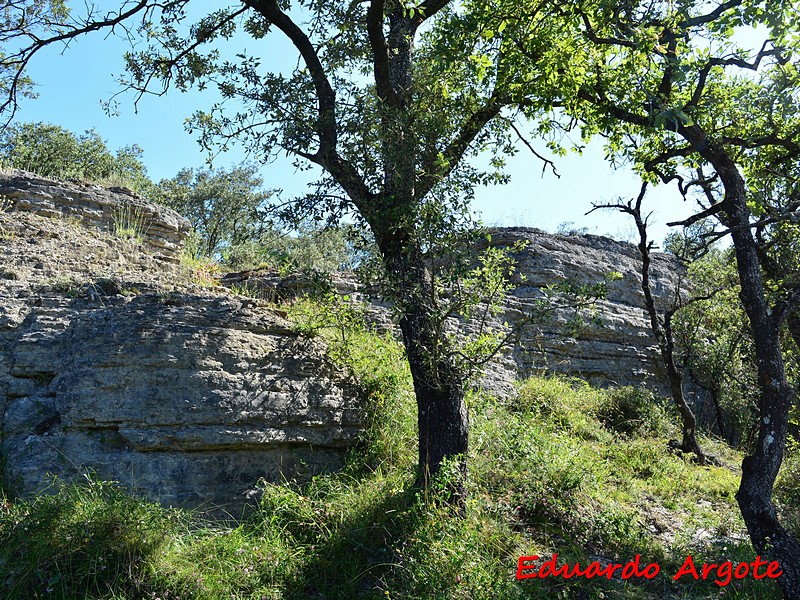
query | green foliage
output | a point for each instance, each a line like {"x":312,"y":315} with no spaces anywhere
{"x":129,"y":222}
{"x":203,"y":271}
{"x":476,"y":295}
{"x":547,"y":476}
{"x":377,"y":364}
{"x":787,"y":488}
{"x":225,"y":207}
{"x":82,"y":541}
{"x":211,"y":562}
{"x":305,"y":249}
{"x":52,"y":151}
{"x":632,"y":410}
{"x":578,"y":298}
{"x":13,"y":17}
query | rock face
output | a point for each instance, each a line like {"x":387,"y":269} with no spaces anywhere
{"x":112,"y":359}
{"x":614,"y":346}
{"x":188,"y":399}
{"x":97,"y":207}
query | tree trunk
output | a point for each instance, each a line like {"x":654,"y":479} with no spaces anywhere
{"x":759,"y":470}
{"x":663,"y":335}
{"x":441,"y":410}
{"x":438,"y":380}
{"x":719,"y":416}
{"x":394,"y":219}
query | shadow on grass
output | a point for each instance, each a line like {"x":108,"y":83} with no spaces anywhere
{"x":82,"y":541}
{"x":355,"y":559}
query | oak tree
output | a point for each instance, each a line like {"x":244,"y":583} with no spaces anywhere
{"x":672,"y":87}
{"x":389,"y":97}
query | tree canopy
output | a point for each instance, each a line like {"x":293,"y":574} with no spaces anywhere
{"x":391,"y":98}
{"x":52,"y":151}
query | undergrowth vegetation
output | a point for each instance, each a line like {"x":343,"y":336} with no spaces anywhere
{"x":562,"y":468}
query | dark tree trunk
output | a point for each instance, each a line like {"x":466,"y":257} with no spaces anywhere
{"x":760,"y":469}
{"x":438,"y":381}
{"x":392,"y":209}
{"x":442,"y":412}
{"x":719,"y":416}
{"x":663,"y":334}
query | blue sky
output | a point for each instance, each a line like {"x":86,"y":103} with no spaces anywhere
{"x":72,"y":84}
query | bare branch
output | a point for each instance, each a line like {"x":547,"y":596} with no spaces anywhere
{"x":712,"y":16}
{"x":709,"y":212}
{"x":546,"y":161}
{"x":19,"y":60}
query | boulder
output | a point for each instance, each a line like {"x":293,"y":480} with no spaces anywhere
{"x":186,"y":399}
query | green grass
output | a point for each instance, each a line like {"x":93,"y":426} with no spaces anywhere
{"x":562,"y":468}
{"x":130,"y":222}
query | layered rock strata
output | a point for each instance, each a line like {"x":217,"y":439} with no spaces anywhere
{"x":113,"y":360}
{"x":106,"y":209}
{"x":187,"y":399}
{"x":612,"y":346}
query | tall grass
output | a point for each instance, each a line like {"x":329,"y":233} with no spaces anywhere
{"x":87,"y":540}
{"x":561,"y":468}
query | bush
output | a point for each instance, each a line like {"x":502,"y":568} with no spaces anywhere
{"x":52,"y":151}
{"x":630,"y":410}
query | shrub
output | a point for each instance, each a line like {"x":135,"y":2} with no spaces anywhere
{"x":52,"y":151}
{"x":630,"y":410}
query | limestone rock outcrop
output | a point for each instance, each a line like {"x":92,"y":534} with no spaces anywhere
{"x":614,"y":346}
{"x":187,"y":399}
{"x":105,"y":209}
{"x":113,"y":360}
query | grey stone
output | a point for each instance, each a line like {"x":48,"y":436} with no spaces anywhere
{"x":111,"y":359}
{"x":617,"y":349}
{"x":94,"y":206}
{"x":190,"y":401}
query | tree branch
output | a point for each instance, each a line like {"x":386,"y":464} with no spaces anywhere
{"x":546,"y":161}
{"x":380,"y":53}
{"x":592,"y":36}
{"x":428,"y":9}
{"x":327,"y":156}
{"x":433,"y":173}
{"x":18,"y":61}
{"x":326,"y":97}
{"x":713,"y":15}
{"x":709,"y":212}
{"x":787,"y":306}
